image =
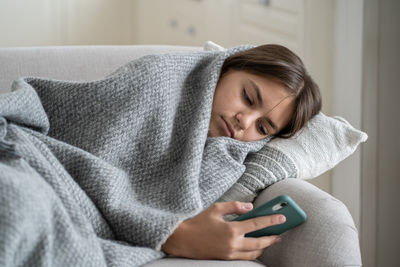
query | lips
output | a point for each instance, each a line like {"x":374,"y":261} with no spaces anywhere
{"x":227,"y":127}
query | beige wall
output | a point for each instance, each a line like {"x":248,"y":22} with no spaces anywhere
{"x":28,"y":23}
{"x":388,"y":182}
{"x":65,"y":22}
{"x":380,"y":233}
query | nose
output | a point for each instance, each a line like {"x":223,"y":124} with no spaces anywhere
{"x":245,"y":120}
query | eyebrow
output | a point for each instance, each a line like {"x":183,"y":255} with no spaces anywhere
{"x":260,"y":100}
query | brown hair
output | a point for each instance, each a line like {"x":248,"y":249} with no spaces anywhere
{"x":279,"y":63}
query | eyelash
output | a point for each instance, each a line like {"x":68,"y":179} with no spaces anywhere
{"x":247,"y":98}
{"x":262,"y":131}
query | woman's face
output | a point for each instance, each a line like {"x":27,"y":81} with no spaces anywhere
{"x":248,"y":107}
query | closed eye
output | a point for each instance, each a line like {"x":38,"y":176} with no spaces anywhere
{"x":261,"y":129}
{"x":246,"y":97}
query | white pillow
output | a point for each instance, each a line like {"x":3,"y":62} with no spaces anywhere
{"x":319,"y":146}
{"x":211,"y":46}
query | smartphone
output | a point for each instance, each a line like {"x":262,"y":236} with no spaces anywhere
{"x":282,"y":204}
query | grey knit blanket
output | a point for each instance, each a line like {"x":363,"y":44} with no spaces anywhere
{"x":100,"y":173}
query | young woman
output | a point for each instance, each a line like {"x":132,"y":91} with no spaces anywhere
{"x":121,"y":170}
{"x":264,"y":91}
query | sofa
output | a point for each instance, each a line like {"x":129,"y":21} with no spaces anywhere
{"x":328,"y":237}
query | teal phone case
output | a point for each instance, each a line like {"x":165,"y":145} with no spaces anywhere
{"x":282,"y":204}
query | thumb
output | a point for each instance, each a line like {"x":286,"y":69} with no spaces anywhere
{"x":237,"y":207}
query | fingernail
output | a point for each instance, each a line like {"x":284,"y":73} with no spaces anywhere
{"x":247,"y":206}
{"x":282,"y":219}
{"x":278,"y":239}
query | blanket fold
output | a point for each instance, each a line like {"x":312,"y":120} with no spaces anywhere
{"x":102,"y":172}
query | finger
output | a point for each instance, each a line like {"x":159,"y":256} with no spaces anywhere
{"x":257,"y":243}
{"x":258,"y":223}
{"x":224,"y":208}
{"x":245,"y":255}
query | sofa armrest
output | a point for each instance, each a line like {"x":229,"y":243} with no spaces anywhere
{"x":184,"y":262}
{"x":328,"y":237}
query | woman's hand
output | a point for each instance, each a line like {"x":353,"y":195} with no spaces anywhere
{"x":209,"y":236}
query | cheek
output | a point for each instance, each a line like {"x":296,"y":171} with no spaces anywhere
{"x":252,"y":135}
{"x":228,"y":99}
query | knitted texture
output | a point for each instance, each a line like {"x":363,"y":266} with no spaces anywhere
{"x":263,"y":168}
{"x":101,"y":173}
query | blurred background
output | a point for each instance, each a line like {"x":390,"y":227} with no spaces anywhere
{"x":350,"y":47}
